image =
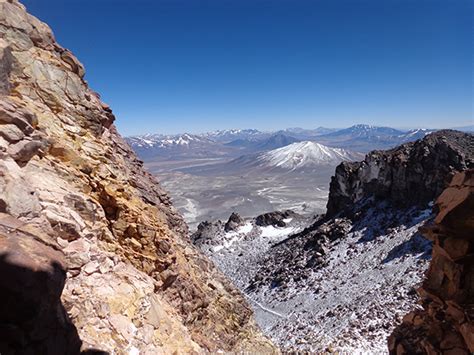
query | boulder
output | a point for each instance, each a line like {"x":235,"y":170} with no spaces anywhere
{"x":234,"y":222}
{"x":275,"y":218}
{"x":32,"y":278}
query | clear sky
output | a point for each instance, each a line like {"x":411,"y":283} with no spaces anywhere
{"x":188,"y":65}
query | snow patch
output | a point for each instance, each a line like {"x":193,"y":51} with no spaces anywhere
{"x":271,"y":231}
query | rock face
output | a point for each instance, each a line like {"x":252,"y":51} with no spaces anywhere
{"x":446,"y":323}
{"x":32,"y":276}
{"x":234,"y":222}
{"x":414,"y":173}
{"x":80,"y":215}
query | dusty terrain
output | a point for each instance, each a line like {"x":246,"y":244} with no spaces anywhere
{"x":211,"y":197}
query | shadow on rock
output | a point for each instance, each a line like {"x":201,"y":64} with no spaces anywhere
{"x":32,"y":318}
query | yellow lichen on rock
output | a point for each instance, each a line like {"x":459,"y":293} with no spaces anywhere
{"x":134,"y":282}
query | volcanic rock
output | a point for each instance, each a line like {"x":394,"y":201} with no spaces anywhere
{"x":275,"y":218}
{"x":445,"y":325}
{"x":234,"y":222}
{"x":411,"y":174}
{"x":109,"y":238}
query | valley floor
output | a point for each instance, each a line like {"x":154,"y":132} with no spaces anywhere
{"x":201,"y":198}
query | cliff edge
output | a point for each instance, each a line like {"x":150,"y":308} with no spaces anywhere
{"x":92,"y":254}
{"x":414,"y":173}
{"x":445,"y":324}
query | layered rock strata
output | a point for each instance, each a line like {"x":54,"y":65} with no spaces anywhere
{"x":80,"y":215}
{"x":445,"y":325}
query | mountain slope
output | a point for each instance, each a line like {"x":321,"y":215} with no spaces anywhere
{"x":344,"y":280}
{"x":365,"y":138}
{"x":93,"y":254}
{"x":305,"y":155}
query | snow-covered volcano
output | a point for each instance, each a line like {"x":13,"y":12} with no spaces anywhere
{"x":306,"y":154}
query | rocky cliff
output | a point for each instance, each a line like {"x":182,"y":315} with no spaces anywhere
{"x":445,"y":325}
{"x":92,"y":254}
{"x":411,"y":174}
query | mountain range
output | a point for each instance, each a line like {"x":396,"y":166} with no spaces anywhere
{"x":237,"y":142}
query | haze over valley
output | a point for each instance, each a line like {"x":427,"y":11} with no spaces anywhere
{"x":213,"y":174}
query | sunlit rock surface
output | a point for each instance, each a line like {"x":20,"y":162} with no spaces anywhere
{"x":445,"y":324}
{"x":81,"y":216}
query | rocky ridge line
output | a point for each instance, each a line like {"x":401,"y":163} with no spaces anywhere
{"x":412,"y":174}
{"x":80,"y":215}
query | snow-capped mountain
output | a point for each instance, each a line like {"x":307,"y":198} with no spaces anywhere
{"x":414,"y":134}
{"x":229,"y":135}
{"x":306,"y":155}
{"x":297,"y":157}
{"x":366,"y":131}
{"x":363,"y":138}
{"x":167,"y":141}
{"x":151,"y":146}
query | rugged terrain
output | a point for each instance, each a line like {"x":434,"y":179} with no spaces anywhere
{"x":92,"y":254}
{"x":256,"y":183}
{"x":343,"y":281}
{"x":445,"y":325}
{"x":210,"y":175}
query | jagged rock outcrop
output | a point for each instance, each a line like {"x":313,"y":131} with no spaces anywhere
{"x":411,"y":174}
{"x":234,"y":222}
{"x":275,"y":218}
{"x":80,"y":215}
{"x":446,"y":323}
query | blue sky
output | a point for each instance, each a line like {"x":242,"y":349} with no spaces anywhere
{"x":188,"y":65}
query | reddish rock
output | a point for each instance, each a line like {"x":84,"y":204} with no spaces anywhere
{"x":446,"y":323}
{"x":32,"y":277}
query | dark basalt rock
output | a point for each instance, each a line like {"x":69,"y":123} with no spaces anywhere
{"x":411,"y":174}
{"x":234,"y":222}
{"x":275,"y":218}
{"x":205,"y":232}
